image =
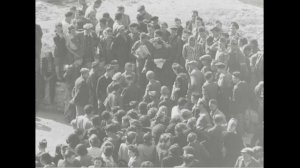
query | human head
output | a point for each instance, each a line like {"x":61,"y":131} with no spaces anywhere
{"x":141,"y":9}
{"x":152,"y":112}
{"x":147,"y":138}
{"x":150,"y":28}
{"x":130,"y":137}
{"x":188,"y":158}
{"x":133,"y":27}
{"x":115,"y":64}
{"x":194,"y":15}
{"x":192,"y":137}
{"x":84,"y":73}
{"x":150,"y":75}
{"x":45,"y":158}
{"x":188,"y":150}
{"x":177,"y":22}
{"x":254,"y":44}
{"x":258,"y":152}
{"x":191,"y":123}
{"x":242,"y":42}
{"x":111,"y":129}
{"x":103,"y":22}
{"x":73,"y":140}
{"x":191,"y":40}
{"x":165,"y":139}
{"x":208,"y":76}
{"x":98,"y":162}
{"x":175,"y":150}
{"x":119,"y":115}
{"x":246,"y":153}
{"x":180,"y":128}
{"x":154,"y":20}
{"x":94,"y":141}
{"x":232,"y":124}
{"x":247,"y":50}
{"x":69,"y":16}
{"x":234,"y":27}
{"x":133,"y":151}
{"x":81,"y":150}
{"x":121,"y":29}
{"x":142,"y":108}
{"x":88,"y":109}
{"x":121,"y":9}
{"x":181,"y":102}
{"x":125,"y":121}
{"x":174,"y":30}
{"x":186,"y":34}
{"x":147,"y":164}
{"x":42,"y":144}
{"x":236,"y":77}
{"x":145,"y":121}
{"x":97,"y":3}
{"x":215,"y":31}
{"x":108,"y":150}
{"x":218,"y":24}
{"x":199,"y":21}
{"x":110,"y":70}
{"x":69,"y":156}
{"x":58,"y":27}
{"x":164,"y":26}
{"x":143,"y":37}
{"x":212,"y":104}
{"x":118,"y":16}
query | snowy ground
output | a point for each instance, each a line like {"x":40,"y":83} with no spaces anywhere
{"x":50,"y":124}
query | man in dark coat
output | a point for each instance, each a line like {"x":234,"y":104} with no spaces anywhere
{"x":38,"y":45}
{"x":92,"y":81}
{"x":241,"y":99}
{"x":173,"y":158}
{"x":121,"y":47}
{"x":81,"y":92}
{"x":210,"y":89}
{"x":102,"y":84}
{"x":49,"y":75}
{"x":130,"y":93}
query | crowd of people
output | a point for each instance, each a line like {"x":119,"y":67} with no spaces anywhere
{"x":140,"y":93}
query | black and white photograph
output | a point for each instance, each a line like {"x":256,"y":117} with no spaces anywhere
{"x":149,"y":83}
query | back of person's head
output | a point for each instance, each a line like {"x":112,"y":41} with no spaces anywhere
{"x":145,"y":121}
{"x":189,"y":158}
{"x":175,"y":150}
{"x":73,"y":140}
{"x":46,"y":158}
{"x":142,"y":108}
{"x":108,"y":151}
{"x":133,"y":114}
{"x":235,"y":24}
{"x":180,"y":128}
{"x":213,"y":101}
{"x":133,"y":149}
{"x":209,"y":40}
{"x":237,"y":75}
{"x":150,"y":75}
{"x":158,"y":33}
{"x":43,"y":144}
{"x":106,"y":115}
{"x":139,"y":17}
{"x":106,"y":15}
{"x":103,"y":21}
{"x":191,"y":123}
{"x":181,"y":101}
{"x":243,"y":41}
{"x":94,"y":141}
{"x":247,"y":48}
{"x":147,"y":138}
{"x":68,"y":14}
{"x":68,"y":153}
{"x":88,"y":109}
{"x":130,"y":137}
{"x":152,"y":112}
{"x":218,"y":119}
{"x":133,"y":25}
{"x":191,"y":137}
{"x":118,"y":16}
{"x":112,"y":128}
{"x":254,"y":42}
{"x":81,"y":150}
{"x":147,"y":164}
{"x":208,"y":75}
{"x":79,"y":132}
{"x":119,"y":115}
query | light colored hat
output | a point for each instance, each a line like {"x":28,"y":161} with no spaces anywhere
{"x":88,"y":26}
{"x":117,"y":76}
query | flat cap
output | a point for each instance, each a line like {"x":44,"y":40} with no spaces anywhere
{"x":237,"y":74}
{"x":193,"y":62}
{"x":205,"y":58}
{"x":82,"y":70}
{"x":141,"y":8}
{"x":109,"y":67}
{"x":247,"y":150}
{"x":88,"y":26}
{"x":220,"y":65}
{"x":117,"y":76}
{"x":154,"y":18}
{"x":173,"y":27}
{"x":216,"y":29}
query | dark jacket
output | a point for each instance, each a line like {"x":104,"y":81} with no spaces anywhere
{"x":210,"y":91}
{"x":60,"y":49}
{"x":240,"y":163}
{"x":48,"y":67}
{"x":102,"y":84}
{"x":215,"y":145}
{"x":121,"y":49}
{"x":241,"y":97}
{"x":89,"y":44}
{"x":171,"y":161}
{"x":233,"y":144}
{"x":81,"y":88}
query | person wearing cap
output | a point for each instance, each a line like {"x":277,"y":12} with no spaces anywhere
{"x":233,"y":31}
{"x":233,"y":143}
{"x":117,"y":22}
{"x":206,"y":63}
{"x":150,"y":30}
{"x":246,"y":159}
{"x":236,"y":60}
{"x":196,"y":79}
{"x":219,"y":24}
{"x":48,"y":72}
{"x":192,"y":23}
{"x":142,"y":26}
{"x":92,"y":81}
{"x":67,"y":21}
{"x":225,"y":84}
{"x":142,"y":11}
{"x":81,"y":92}
{"x":121,"y":47}
{"x":179,"y":27}
{"x":165,"y":33}
{"x":241,"y":99}
{"x":210,"y":89}
{"x":114,"y":98}
{"x":191,"y":50}
{"x":214,"y":47}
{"x":102,"y":84}
{"x":80,"y":20}
{"x":73,"y":44}
{"x":41,"y":149}
{"x":60,"y":50}
{"x":174,"y":41}
{"x":155,"y":22}
{"x":134,"y":32}
{"x":153,"y":85}
{"x":125,"y":18}
{"x":222,"y":53}
{"x":117,"y":78}
{"x":214,"y":143}
{"x":142,"y":49}
{"x":93,"y":8}
{"x":202,"y":35}
{"x":105,"y":43}
{"x":214,"y":111}
{"x":110,"y":21}
{"x":100,"y":27}
{"x":89,"y":44}
{"x":131,"y":92}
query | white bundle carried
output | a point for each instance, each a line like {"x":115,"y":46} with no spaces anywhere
{"x":142,"y":52}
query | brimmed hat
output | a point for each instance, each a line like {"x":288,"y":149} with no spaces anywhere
{"x":117,"y":76}
{"x":154,"y":18}
{"x":247,"y":150}
{"x":220,"y":65}
{"x":216,"y":29}
{"x":173,"y":27}
{"x":142,"y":7}
{"x":205,"y":58}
